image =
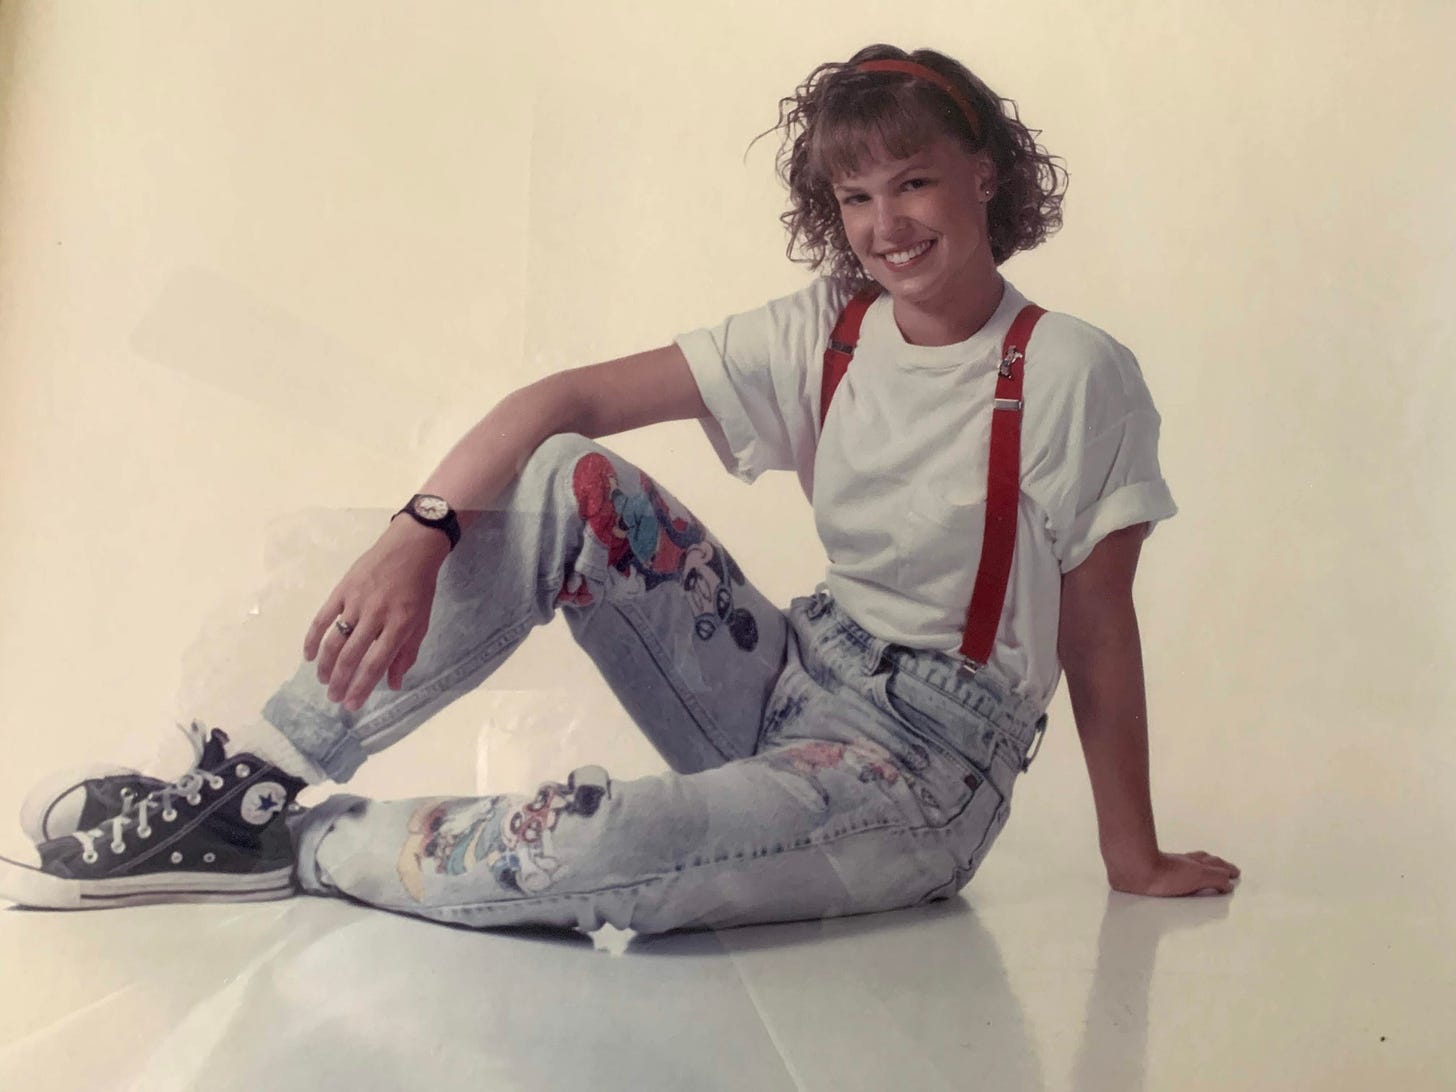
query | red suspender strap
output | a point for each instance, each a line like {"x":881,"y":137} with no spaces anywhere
{"x":841,"y":346}
{"x":1003,"y":485}
{"x":1003,"y":490}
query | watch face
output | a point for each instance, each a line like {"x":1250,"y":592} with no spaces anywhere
{"x":432,"y":507}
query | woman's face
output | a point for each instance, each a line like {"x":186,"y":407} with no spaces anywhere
{"x":918,"y":225}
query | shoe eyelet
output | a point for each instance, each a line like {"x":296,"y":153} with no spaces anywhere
{"x":195,"y":799}
{"x":170,"y":814}
{"x":90,"y":856}
{"x":209,"y":857}
{"x":242,"y":770}
{"x":144,"y":832}
{"x":176,"y":858}
{"x":215,"y":782}
{"x":118,"y":847}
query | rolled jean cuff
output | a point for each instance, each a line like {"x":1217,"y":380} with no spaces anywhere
{"x":323,"y":740}
{"x":307,"y":830}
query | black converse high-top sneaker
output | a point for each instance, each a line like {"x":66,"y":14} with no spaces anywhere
{"x":80,"y":799}
{"x":216,"y":834}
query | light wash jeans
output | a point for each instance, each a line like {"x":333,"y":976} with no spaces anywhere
{"x":815,"y":770}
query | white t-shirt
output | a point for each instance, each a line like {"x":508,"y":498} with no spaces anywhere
{"x":898,"y":478}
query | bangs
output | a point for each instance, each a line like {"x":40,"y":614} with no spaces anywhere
{"x":858,"y":129}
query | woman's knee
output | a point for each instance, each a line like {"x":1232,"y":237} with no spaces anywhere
{"x":566,"y":467}
{"x":559,"y":452}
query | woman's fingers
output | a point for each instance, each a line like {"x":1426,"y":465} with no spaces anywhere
{"x":1219,"y":874}
{"x":404,"y":660}
{"x":385,"y":601}
{"x":330,"y":645}
{"x":335,"y":660}
{"x":1176,"y":874}
{"x":351,"y":653}
{"x":1219,"y":862}
{"x":366,"y":675}
{"x":352,"y":664}
{"x":318,"y":629}
{"x":1222,"y":882}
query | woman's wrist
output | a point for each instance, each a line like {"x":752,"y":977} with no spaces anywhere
{"x":407,"y":531}
{"x":1130,"y":863}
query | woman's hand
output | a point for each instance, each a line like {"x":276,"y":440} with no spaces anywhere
{"x":1172,"y":874}
{"x":385,"y":598}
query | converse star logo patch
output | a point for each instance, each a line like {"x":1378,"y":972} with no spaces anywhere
{"x":263,"y":801}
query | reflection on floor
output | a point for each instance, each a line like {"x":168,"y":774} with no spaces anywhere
{"x":1331,"y":967}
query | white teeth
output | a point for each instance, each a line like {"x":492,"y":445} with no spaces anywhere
{"x":900,"y":257}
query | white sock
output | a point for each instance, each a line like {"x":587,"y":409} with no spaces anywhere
{"x":273,"y":747}
{"x":173,"y":753}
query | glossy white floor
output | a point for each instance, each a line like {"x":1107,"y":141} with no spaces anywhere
{"x":1331,"y":967}
{"x":261,"y":264}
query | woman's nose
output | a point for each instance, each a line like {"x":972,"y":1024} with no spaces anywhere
{"x":888,"y":218}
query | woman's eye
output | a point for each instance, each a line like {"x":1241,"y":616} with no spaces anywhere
{"x":917,"y":183}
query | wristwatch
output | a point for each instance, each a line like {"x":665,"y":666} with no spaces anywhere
{"x":435,"y":512}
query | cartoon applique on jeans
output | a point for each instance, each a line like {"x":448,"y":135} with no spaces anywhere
{"x":453,"y":837}
{"x":643,"y":538}
{"x":871,"y":762}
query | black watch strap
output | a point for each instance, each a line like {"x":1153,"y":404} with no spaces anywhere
{"x":447,"y":523}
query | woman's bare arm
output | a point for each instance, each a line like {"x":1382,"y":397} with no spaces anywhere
{"x":597,"y":400}
{"x":387,"y":594}
{"x":1101,"y":653}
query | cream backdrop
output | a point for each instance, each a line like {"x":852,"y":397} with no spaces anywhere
{"x":261,"y":264}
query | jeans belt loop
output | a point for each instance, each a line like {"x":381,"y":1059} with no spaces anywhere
{"x":875,"y":655}
{"x":819,"y":603}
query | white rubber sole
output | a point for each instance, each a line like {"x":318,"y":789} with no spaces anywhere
{"x":29,"y":886}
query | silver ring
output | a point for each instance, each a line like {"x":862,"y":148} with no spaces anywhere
{"x":344,"y":627}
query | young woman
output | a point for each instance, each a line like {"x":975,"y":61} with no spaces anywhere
{"x":982,"y":473}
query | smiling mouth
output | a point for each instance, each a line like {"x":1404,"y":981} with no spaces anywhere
{"x":898,"y":258}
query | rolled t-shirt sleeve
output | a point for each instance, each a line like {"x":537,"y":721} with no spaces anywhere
{"x":746,"y":428}
{"x":1119,"y":485}
{"x":1106,"y":475}
{"x":758,"y":373}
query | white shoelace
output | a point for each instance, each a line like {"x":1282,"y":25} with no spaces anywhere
{"x":160,"y":802}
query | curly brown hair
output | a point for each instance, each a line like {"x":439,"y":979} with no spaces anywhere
{"x":839,"y":117}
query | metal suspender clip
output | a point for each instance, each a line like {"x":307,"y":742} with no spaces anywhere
{"x":1036,"y":739}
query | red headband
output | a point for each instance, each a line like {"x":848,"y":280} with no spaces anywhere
{"x":910,"y":68}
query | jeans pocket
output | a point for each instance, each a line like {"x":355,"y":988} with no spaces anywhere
{"x":970,"y":832}
{"x":957,"y":791}
{"x":938,"y":720}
